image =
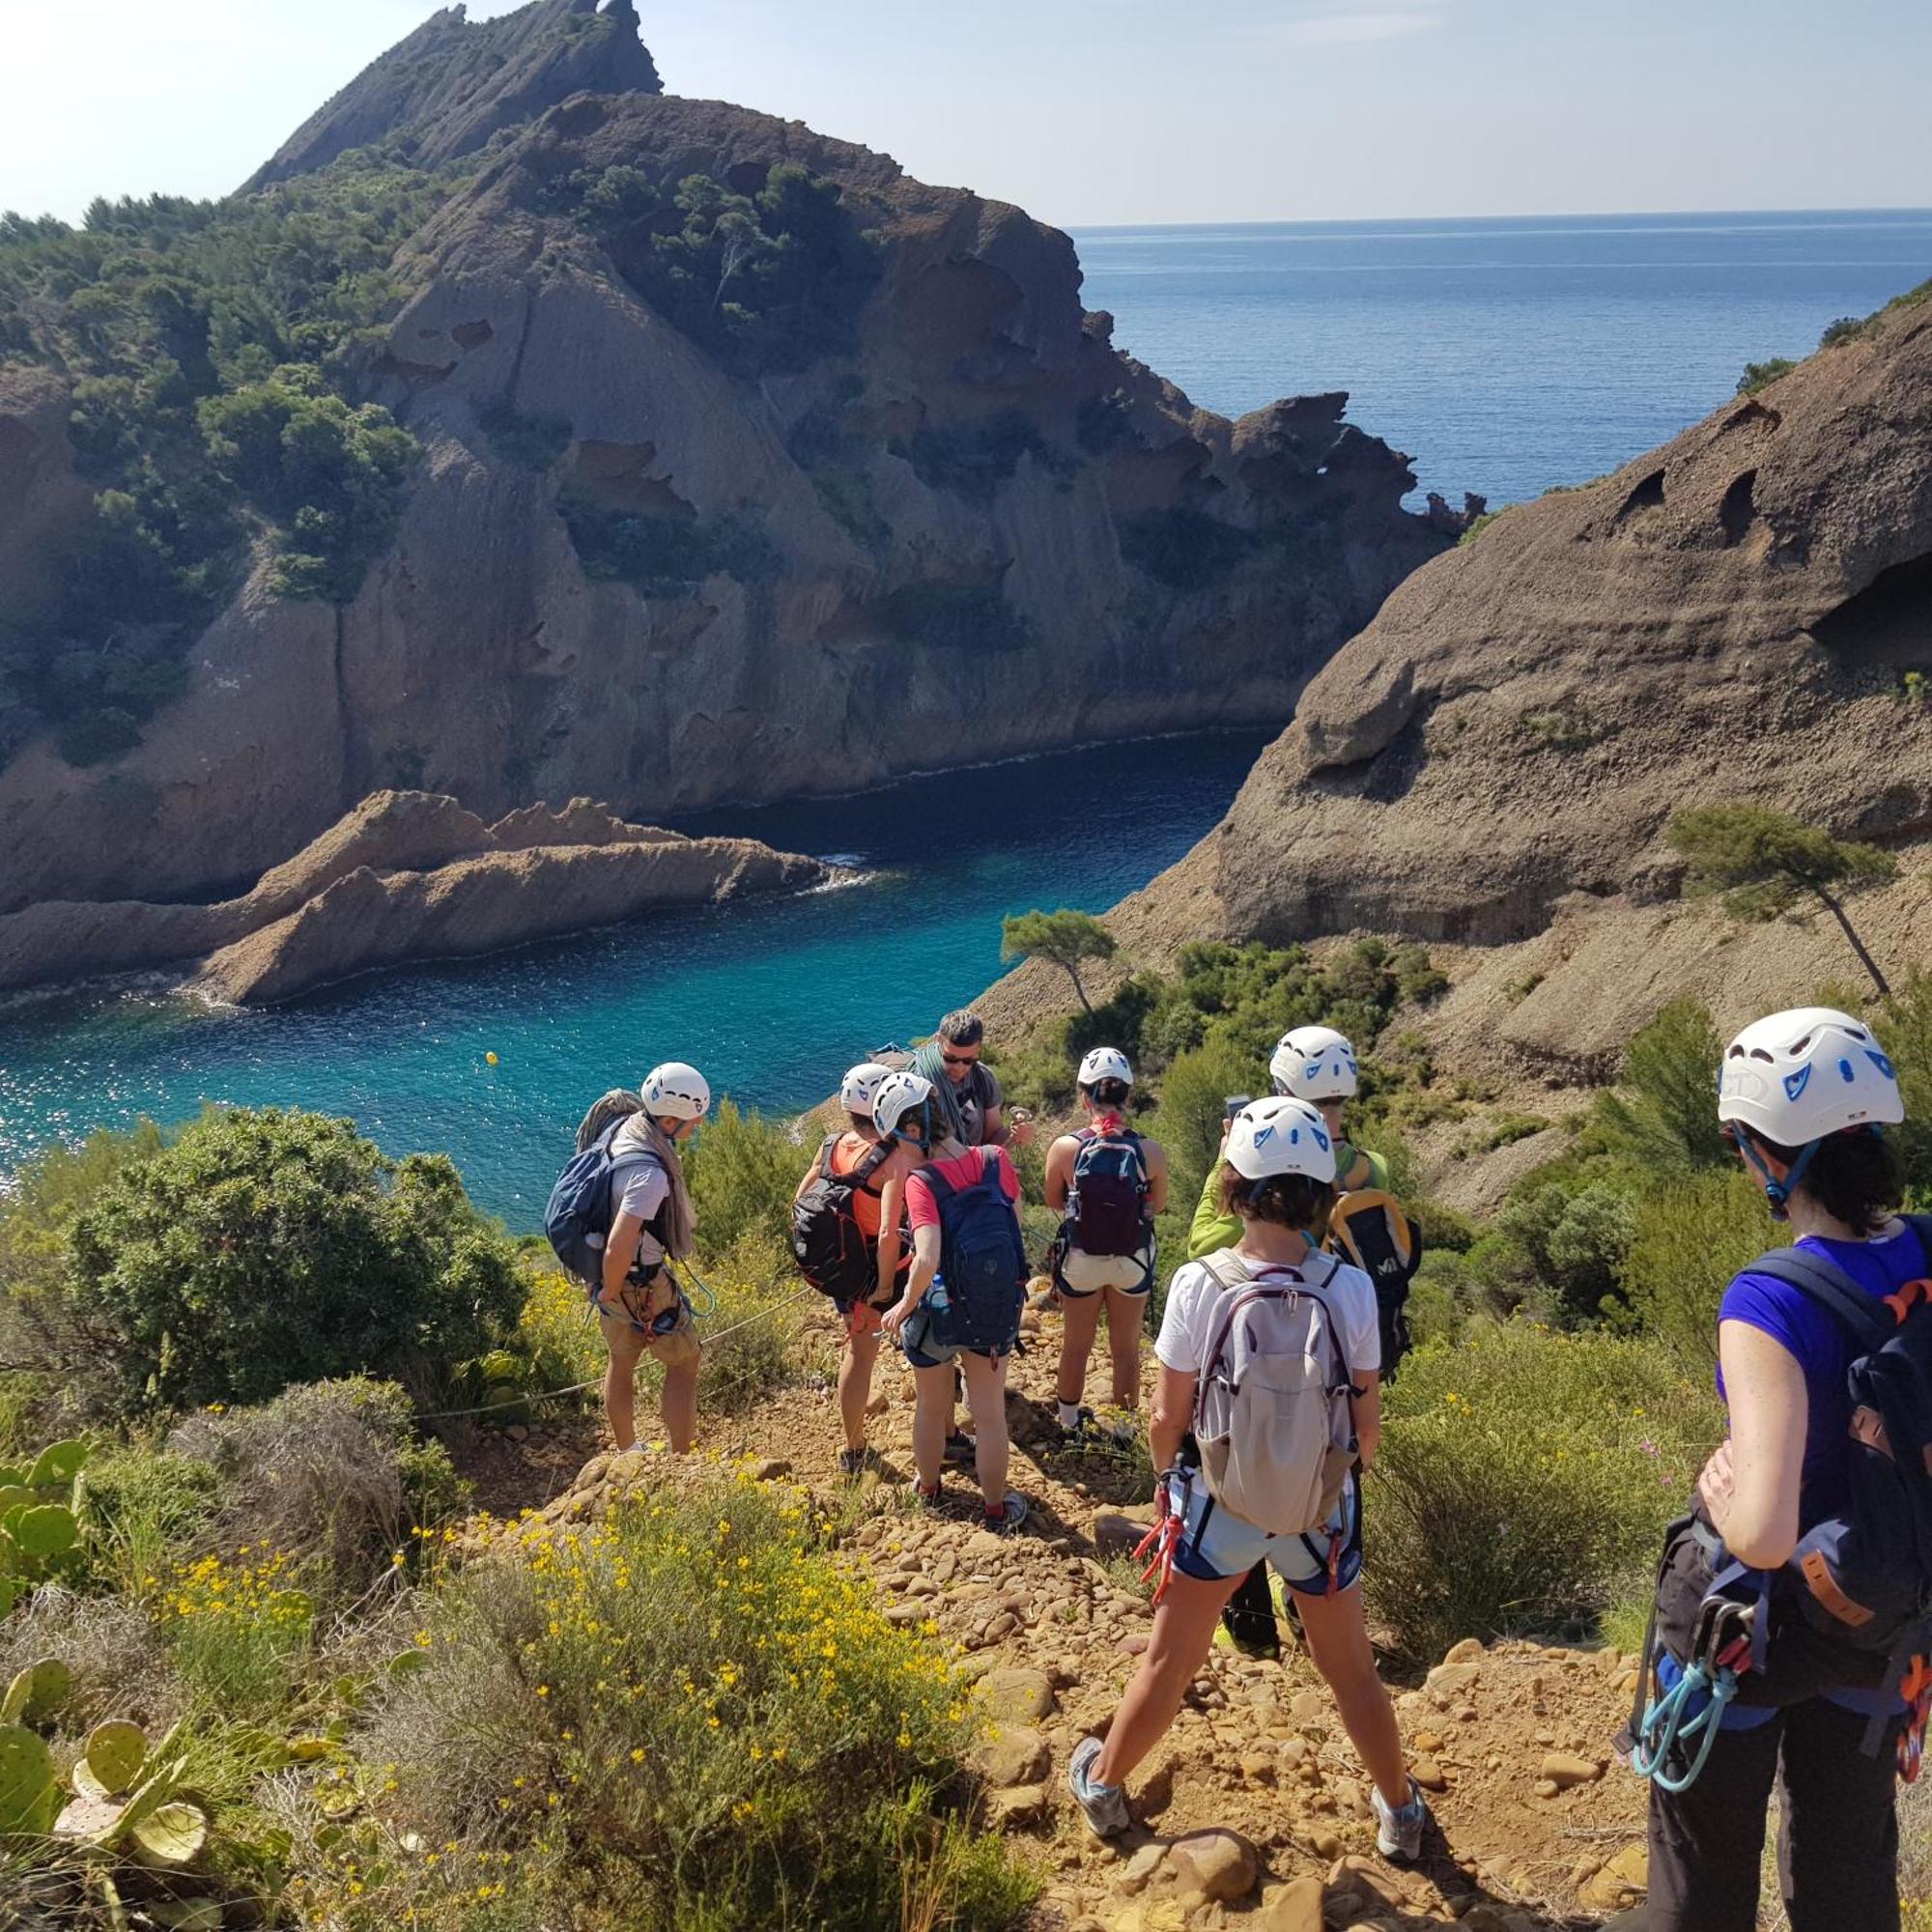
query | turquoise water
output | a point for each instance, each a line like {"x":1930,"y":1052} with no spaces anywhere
{"x":772,"y":999}
{"x":1505,"y":356}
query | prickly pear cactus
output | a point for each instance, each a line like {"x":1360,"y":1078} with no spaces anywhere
{"x":114,"y":1753}
{"x":35,"y":1692}
{"x":171,"y":1836}
{"x":46,"y":1530}
{"x":28,"y":1796}
{"x":55,"y":1468}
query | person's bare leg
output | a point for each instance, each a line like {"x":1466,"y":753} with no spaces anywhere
{"x":855,"y":1386}
{"x":680,"y":1404}
{"x":1338,"y":1640}
{"x":986,"y":1398}
{"x":932,"y":1411}
{"x":1079,"y":1322}
{"x":620,"y":1380}
{"x":1126,"y":1314}
{"x":1183,"y":1633}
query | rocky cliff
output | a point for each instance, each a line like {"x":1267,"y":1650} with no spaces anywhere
{"x":748,"y":467}
{"x":1743,"y":615}
{"x":406,"y":876}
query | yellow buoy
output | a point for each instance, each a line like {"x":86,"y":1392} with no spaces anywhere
{"x":490,"y":1058}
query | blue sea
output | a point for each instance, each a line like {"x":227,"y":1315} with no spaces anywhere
{"x":1505,"y":356}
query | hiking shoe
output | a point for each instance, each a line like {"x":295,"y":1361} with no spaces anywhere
{"x":1246,"y":1643}
{"x":1104,"y":1806}
{"x":1399,"y":1834}
{"x":852,"y":1462}
{"x":1008,"y":1517}
{"x":960,"y":1447}
{"x":929,"y":1498}
{"x":1079,"y":1431}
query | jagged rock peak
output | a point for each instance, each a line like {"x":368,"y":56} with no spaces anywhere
{"x":449,"y":86}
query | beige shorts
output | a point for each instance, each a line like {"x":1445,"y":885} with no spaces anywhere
{"x":637,"y":1306}
{"x":1087,"y":1274}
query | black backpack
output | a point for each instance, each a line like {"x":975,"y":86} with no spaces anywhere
{"x":1852,"y":1607}
{"x":1106,"y":1204}
{"x":827,"y":1242}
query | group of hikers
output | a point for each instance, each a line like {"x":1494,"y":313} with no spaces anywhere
{"x":1790,"y":1632}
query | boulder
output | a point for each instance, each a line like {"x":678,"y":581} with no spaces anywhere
{"x":1013,"y":1755}
{"x":1211,"y":1867}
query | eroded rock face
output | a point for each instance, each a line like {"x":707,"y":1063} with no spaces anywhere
{"x":977,"y":529}
{"x":1730,"y":618}
{"x":406,"y":876}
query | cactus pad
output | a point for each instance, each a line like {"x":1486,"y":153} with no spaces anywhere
{"x":48,"y":1529}
{"x":115,"y":1752}
{"x":171,"y":1836}
{"x":35,"y":1692}
{"x":28,"y":1795}
{"x":57,"y":1466}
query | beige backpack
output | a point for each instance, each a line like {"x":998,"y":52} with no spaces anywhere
{"x":1272,"y":1416}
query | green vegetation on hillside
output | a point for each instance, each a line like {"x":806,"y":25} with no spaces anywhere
{"x":215,"y":353}
{"x":769,"y":282}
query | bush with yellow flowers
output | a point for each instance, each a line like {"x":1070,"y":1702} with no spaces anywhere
{"x":1524,"y":1479}
{"x":723,"y":1724}
{"x":236,"y":1624}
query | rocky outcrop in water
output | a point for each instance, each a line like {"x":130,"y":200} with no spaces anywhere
{"x":406,"y":876}
{"x":672,"y":541}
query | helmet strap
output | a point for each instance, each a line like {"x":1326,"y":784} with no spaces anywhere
{"x":1776,"y":1191}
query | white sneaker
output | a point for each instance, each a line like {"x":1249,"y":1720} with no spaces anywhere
{"x":1399,"y":1834}
{"x":1103,"y":1805}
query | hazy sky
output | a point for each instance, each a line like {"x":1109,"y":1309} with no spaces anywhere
{"x":1091,"y":112}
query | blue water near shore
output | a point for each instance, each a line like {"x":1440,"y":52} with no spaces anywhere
{"x":1508,"y":355}
{"x":1505,"y":355}
{"x":773,"y":999}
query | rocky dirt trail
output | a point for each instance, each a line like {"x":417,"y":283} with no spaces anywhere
{"x":1253,"y":1813}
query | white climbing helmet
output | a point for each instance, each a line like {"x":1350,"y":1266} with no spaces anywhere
{"x":676,"y":1091}
{"x":898,"y":1096}
{"x":1283,"y":1135}
{"x":1105,"y":1062}
{"x":1797,"y":1076}
{"x":1313,"y":1063}
{"x":857,"y":1090}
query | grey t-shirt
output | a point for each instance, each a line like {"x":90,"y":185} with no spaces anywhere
{"x":975,"y":1096}
{"x":642,"y":1187}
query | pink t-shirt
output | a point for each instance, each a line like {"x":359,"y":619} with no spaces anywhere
{"x":962,"y":1171}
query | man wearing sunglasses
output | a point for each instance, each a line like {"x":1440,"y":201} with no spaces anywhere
{"x":974,"y":1086}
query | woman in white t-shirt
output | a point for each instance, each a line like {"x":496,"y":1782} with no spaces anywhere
{"x":1278,"y":1169}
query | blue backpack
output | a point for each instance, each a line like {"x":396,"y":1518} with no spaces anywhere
{"x":577,"y":1219}
{"x":983,"y":1259}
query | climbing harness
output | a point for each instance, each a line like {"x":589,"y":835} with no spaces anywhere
{"x":1916,"y":1690}
{"x":1672,"y":1742}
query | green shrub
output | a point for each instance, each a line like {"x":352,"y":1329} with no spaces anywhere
{"x":1663,"y":1113}
{"x":722,"y":1721}
{"x":1762,"y":375}
{"x":742,"y":1169}
{"x":1569,"y":1239}
{"x":264,"y":1248}
{"x":1523,"y":1478}
{"x":1193,"y":1110}
{"x":974,"y":459}
{"x":1689,"y":1239}
{"x":523,"y":442}
{"x":753,"y":1334}
{"x":1904,"y":1027}
{"x":659,"y":555}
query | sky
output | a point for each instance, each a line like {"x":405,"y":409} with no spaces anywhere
{"x":1089,"y":113}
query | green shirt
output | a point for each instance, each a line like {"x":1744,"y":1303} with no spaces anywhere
{"x":1210,"y":1230}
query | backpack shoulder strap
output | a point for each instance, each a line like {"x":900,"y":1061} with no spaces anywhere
{"x":825,"y":1148}
{"x":1832,"y":1290}
{"x":871,"y":1165}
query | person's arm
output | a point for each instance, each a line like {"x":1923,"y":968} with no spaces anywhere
{"x":1060,"y":1171}
{"x":620,"y":1250}
{"x":1210,"y":1229}
{"x":1751,"y":1485}
{"x":1172,"y":1414}
{"x":1367,"y":1411}
{"x":892,"y":1198}
{"x":805,"y":1179}
{"x":1156,"y":1157}
{"x":925,"y":1242}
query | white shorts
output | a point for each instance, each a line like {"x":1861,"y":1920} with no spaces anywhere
{"x":1082,"y":1273}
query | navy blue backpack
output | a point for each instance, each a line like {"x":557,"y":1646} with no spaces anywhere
{"x":577,"y":1219}
{"x":982,"y":1258}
